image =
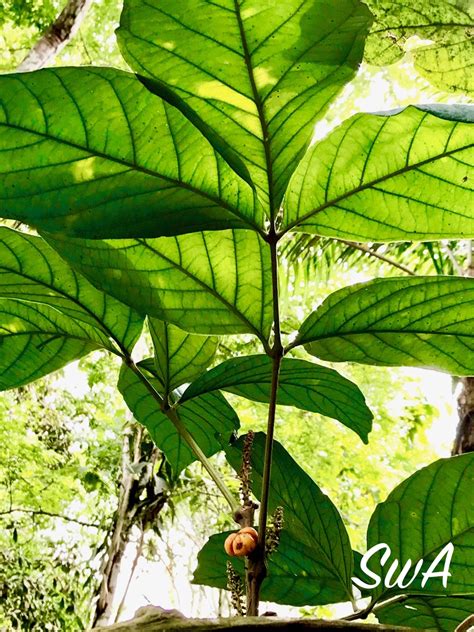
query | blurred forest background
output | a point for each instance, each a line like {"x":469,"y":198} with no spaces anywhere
{"x":92,"y":526}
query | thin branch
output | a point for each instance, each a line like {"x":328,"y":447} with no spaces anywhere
{"x":56,"y":36}
{"x":470,"y":258}
{"x":452,"y":257}
{"x":42,"y":512}
{"x":377,"y":605}
{"x":377,"y":255}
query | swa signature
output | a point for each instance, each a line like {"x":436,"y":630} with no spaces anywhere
{"x":404,"y":578}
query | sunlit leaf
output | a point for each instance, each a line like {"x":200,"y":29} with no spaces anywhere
{"x":206,"y":283}
{"x":412,"y":321}
{"x":302,"y":384}
{"x":420,"y":517}
{"x":179,"y":357}
{"x":252,"y":76}
{"x":36,"y":339}
{"x":90,"y":152}
{"x":381,"y":178}
{"x":445,"y":56}
{"x":30,"y":270}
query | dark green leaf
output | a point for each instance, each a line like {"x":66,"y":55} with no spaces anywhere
{"x":253,"y":76}
{"x":382,"y":178}
{"x":30,"y":270}
{"x":302,"y":384}
{"x":179,"y":357}
{"x":433,"y":614}
{"x":36,"y":339}
{"x":210,"y":420}
{"x":415,"y":321}
{"x":200,"y":282}
{"x":90,"y":152}
{"x":309,"y":515}
{"x":419,"y":518}
{"x":445,"y":58}
{"x":295,"y":574}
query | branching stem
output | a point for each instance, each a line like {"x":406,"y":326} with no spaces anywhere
{"x":173,"y":416}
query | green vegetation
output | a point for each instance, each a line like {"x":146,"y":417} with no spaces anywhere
{"x":161,"y":207}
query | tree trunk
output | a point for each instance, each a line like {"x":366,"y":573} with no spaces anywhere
{"x":120,"y":530}
{"x":140,"y":502}
{"x":61,"y":31}
{"x":464,"y":441}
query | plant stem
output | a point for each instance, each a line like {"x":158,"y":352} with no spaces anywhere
{"x":257,"y":566}
{"x":173,"y":416}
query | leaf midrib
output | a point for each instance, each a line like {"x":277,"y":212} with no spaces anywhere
{"x":342,"y":334}
{"x":134,"y":167}
{"x":259,"y":105}
{"x":58,"y":334}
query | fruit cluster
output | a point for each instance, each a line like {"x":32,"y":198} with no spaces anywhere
{"x":241,"y":543}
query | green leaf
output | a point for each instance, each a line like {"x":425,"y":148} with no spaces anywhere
{"x":253,"y":76}
{"x":30,"y":270}
{"x":179,"y":357}
{"x":201,"y":282}
{"x":309,"y":515}
{"x":433,"y":614}
{"x":410,"y":321}
{"x":210,"y":419}
{"x":295,"y":575}
{"x":36,"y":339}
{"x":419,"y":518}
{"x":90,"y":152}
{"x":381,"y":177}
{"x":302,"y":384}
{"x":446,"y":59}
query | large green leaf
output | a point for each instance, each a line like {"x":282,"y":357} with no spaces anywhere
{"x":295,"y":573}
{"x":381,"y":178}
{"x":30,"y":270}
{"x":446,"y":56}
{"x":179,"y":357}
{"x":37,"y":339}
{"x":309,"y":515}
{"x":414,"y":321}
{"x":206,"y":283}
{"x":433,"y":614}
{"x":91,"y":152}
{"x":210,"y":419}
{"x":252,"y":75}
{"x":419,"y":518}
{"x":302,"y":384}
